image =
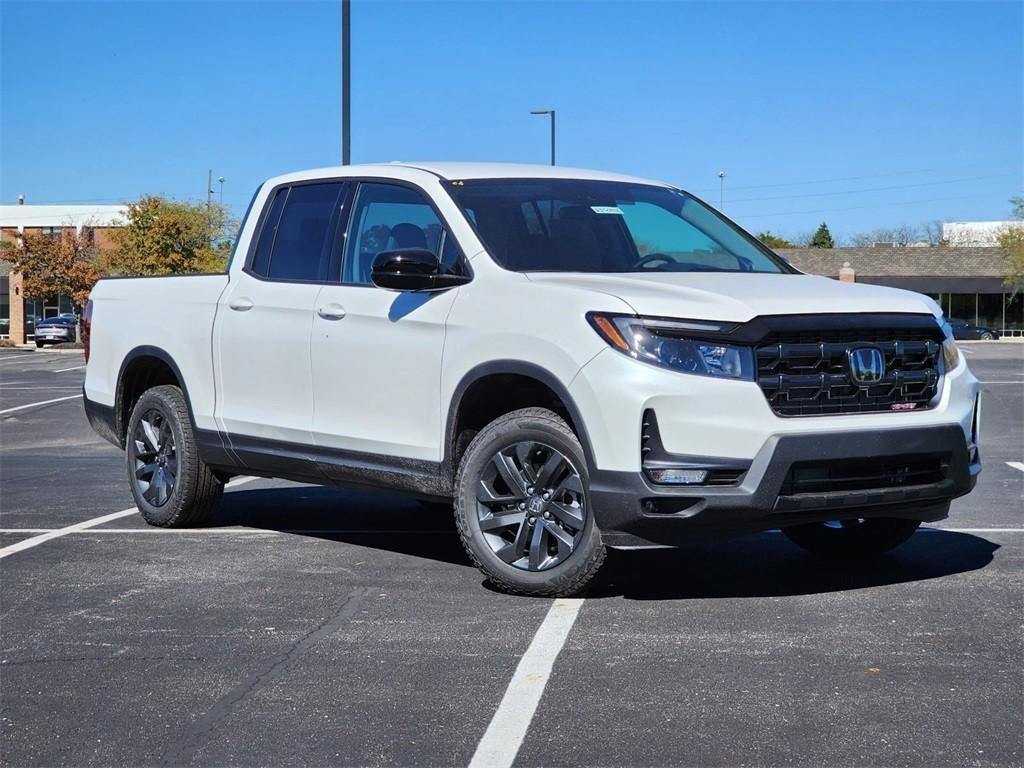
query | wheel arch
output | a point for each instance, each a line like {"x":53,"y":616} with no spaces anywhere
{"x":143,"y":368}
{"x":534,"y":386}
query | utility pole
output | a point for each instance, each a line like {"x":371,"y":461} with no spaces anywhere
{"x":209,"y":187}
{"x":346,"y":82}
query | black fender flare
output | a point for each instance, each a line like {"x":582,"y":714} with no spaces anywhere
{"x":520,"y":368}
{"x":145,"y":351}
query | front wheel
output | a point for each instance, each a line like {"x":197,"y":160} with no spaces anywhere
{"x":522,"y":506}
{"x":987,"y":336}
{"x":854,"y":538}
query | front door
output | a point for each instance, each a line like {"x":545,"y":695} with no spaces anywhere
{"x":376,"y":354}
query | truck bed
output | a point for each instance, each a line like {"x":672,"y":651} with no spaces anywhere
{"x":140,"y":315}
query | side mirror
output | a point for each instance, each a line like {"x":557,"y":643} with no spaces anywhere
{"x":411,"y":269}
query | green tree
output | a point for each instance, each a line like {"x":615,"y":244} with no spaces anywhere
{"x":1011,"y":244}
{"x":774,"y":241}
{"x":53,"y":264}
{"x":823,"y":238}
{"x":164,"y":237}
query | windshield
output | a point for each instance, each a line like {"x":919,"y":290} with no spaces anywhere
{"x":571,"y":225}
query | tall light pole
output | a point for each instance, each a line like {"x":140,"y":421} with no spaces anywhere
{"x":220,"y":180}
{"x":346,"y":82}
{"x":721,"y":190}
{"x":552,"y":113}
{"x":209,"y":187}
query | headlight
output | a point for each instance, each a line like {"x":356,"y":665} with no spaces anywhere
{"x":950,"y":352}
{"x":669,"y":343}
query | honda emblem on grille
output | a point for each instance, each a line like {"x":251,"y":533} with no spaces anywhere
{"x":866,"y":364}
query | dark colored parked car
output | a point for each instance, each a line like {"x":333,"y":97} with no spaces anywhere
{"x":962,"y":330}
{"x":56,"y":330}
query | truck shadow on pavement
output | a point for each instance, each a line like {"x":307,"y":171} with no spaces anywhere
{"x":760,"y":565}
{"x":769,"y":565}
{"x":369,"y":520}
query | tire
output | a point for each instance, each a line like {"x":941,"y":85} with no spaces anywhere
{"x":191,"y":491}
{"x":39,"y":345}
{"x":853,"y":539}
{"x":531,"y":447}
{"x":986,"y":336}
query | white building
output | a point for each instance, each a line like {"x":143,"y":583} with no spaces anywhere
{"x":975,"y":234}
{"x":32,"y":217}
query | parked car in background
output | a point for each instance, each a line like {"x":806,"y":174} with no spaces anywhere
{"x":962,"y":330}
{"x":56,"y":330}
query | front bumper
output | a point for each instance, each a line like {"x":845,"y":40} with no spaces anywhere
{"x":631,"y":511}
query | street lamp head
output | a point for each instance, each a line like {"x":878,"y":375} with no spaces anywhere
{"x":541,"y":111}
{"x":220,"y":179}
{"x":721,"y":174}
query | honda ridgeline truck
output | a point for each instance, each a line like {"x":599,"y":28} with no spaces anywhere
{"x":572,"y":359}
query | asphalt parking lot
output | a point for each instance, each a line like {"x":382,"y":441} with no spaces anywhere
{"x":312,"y":626}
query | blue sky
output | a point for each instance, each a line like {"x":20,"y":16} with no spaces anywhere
{"x":861,"y":114}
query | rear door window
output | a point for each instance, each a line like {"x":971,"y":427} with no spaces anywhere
{"x":298,"y":234}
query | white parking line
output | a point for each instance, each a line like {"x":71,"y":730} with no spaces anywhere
{"x":976,"y":530}
{"x":74,"y":368}
{"x":346,"y":531}
{"x":504,"y":736}
{"x":989,"y":383}
{"x":42,"y":402}
{"x":42,"y":538}
{"x":1016,"y":465}
{"x":6,"y":388}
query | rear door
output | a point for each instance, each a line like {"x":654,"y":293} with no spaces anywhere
{"x":262,"y":331}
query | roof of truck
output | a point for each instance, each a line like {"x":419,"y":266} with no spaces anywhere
{"x":463,"y":171}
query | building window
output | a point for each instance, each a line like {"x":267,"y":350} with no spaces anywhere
{"x":962,"y":306}
{"x":1014,"y":311}
{"x":5,"y":307}
{"x":990,"y":310}
{"x":33,"y":312}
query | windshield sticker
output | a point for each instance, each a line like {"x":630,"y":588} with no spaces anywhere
{"x":606,"y":209}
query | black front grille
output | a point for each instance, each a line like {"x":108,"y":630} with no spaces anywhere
{"x":806,"y":373}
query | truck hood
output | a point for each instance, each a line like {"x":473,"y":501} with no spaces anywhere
{"x":738,"y":297}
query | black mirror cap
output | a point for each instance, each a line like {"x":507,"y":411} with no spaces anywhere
{"x":411,"y":269}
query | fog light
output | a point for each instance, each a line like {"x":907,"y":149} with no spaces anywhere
{"x":678,"y":476}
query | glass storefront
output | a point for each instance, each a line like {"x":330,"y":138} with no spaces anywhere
{"x":1001,"y":311}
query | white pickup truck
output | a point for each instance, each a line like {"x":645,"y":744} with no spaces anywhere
{"x":571,"y":359}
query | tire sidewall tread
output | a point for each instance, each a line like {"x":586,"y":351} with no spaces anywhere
{"x":565,"y":579}
{"x":197,"y":491}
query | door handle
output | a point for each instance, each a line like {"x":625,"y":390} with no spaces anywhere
{"x":331,"y":312}
{"x":241,"y":304}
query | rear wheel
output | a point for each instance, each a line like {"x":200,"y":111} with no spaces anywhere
{"x":522,"y":506}
{"x":853,"y":538}
{"x":172,"y":487}
{"x":987,"y":336}
{"x":39,"y":345}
